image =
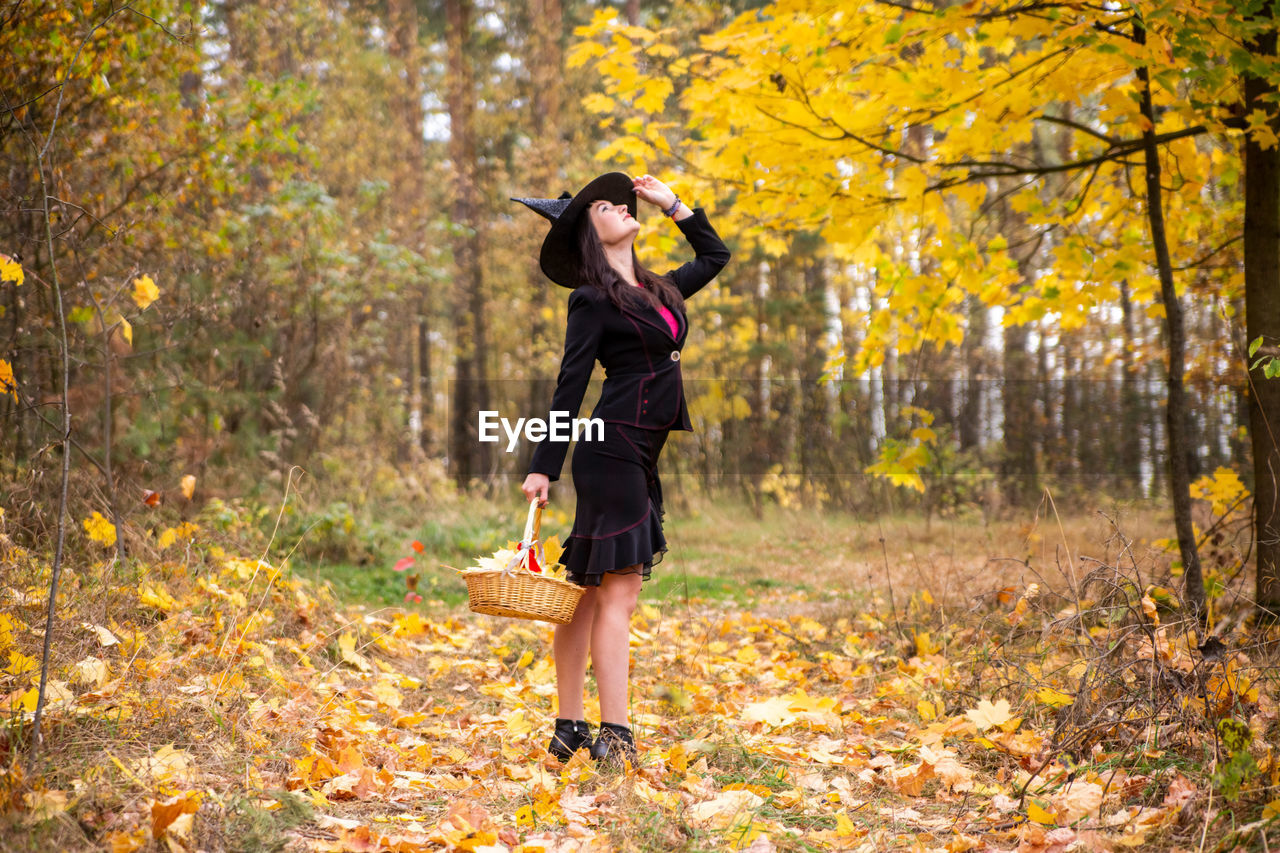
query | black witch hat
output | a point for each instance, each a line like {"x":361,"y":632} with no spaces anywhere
{"x":559,"y":256}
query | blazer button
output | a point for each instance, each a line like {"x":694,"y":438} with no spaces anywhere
{"x":675,"y":355}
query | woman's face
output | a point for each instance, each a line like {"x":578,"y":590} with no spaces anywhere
{"x":613,"y":222}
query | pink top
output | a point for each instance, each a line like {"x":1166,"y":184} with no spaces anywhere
{"x":669,"y":317}
{"x":671,"y":320}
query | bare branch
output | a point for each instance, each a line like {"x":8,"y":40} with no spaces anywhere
{"x":1198,"y":262}
{"x":1066,"y":122}
{"x":62,"y":85}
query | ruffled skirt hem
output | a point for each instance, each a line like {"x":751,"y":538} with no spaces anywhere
{"x":634,"y":551}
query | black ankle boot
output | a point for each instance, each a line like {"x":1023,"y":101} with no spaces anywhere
{"x":615,"y":743}
{"x":569,"y":737}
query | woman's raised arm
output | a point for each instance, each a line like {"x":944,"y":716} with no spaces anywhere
{"x":709,"y":254}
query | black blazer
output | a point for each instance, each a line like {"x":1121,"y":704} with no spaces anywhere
{"x":642,"y":383}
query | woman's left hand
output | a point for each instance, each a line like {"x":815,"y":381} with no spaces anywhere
{"x":654,"y":191}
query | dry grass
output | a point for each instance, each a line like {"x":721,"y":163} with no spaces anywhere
{"x":951,"y":558}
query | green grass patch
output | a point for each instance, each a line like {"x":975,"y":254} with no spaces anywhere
{"x":678,"y":585}
{"x":715,"y":555}
{"x":379,"y":586}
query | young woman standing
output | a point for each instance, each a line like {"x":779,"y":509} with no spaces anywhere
{"x":633,"y":322}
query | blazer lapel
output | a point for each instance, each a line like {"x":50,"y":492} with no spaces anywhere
{"x":651,"y":316}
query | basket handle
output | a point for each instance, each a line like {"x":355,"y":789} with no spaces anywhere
{"x":533,"y":525}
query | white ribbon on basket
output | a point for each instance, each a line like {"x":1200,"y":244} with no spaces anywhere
{"x":528,"y":544}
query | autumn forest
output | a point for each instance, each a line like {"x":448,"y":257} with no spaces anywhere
{"x":975,"y":542}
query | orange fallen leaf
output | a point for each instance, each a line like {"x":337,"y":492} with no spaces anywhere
{"x":165,"y":812}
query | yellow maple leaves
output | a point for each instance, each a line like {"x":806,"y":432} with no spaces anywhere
{"x":347,"y":652}
{"x":988,"y":715}
{"x":20,"y":663}
{"x":1260,"y":129}
{"x":871,"y":128}
{"x":144,"y":291}
{"x":154,"y":595}
{"x":789,"y":725}
{"x":1223,"y":489}
{"x":1053,"y":698}
{"x":793,"y":708}
{"x":11,"y":270}
{"x":100,"y":530}
{"x":901,"y":461}
{"x":7,"y":383}
{"x":170,"y":535}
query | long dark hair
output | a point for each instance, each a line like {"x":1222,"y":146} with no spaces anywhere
{"x":594,"y":270}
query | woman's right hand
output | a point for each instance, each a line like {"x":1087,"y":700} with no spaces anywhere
{"x":650,"y":189}
{"x":536,"y":486}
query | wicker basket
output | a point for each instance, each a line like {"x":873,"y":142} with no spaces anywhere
{"x":518,"y":592}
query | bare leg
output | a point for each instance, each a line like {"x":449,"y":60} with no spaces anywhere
{"x":571,"y":644}
{"x":611,"y":643}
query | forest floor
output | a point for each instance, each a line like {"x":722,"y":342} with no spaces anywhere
{"x":800,"y":682}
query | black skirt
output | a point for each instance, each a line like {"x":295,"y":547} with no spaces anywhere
{"x":617,"y":526}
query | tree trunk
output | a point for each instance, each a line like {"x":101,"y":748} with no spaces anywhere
{"x":972,"y":358}
{"x":1066,"y":460}
{"x":758,"y":460}
{"x":1262,"y":320}
{"x":1018,"y":473}
{"x":546,"y":80}
{"x":1176,"y":403}
{"x":402,"y":18}
{"x":1130,"y":414}
{"x":815,"y":431}
{"x":467,"y":456}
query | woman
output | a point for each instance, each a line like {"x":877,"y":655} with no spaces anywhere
{"x":634,"y":323}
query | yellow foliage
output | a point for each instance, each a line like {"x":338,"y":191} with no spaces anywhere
{"x":144,"y":291}
{"x":797,"y":117}
{"x":100,"y":530}
{"x":1260,"y":129}
{"x":20,"y":663}
{"x":7,"y":383}
{"x":24,"y":700}
{"x":597,"y":103}
{"x":1222,"y":489}
{"x":1053,"y":698}
{"x":990,"y":714}
{"x":901,"y":463}
{"x":11,"y":270}
{"x":373,"y":708}
{"x":184,"y":531}
{"x":158,"y":597}
{"x":1040,"y":814}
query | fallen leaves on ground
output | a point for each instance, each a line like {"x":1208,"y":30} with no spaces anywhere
{"x":236,"y":689}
